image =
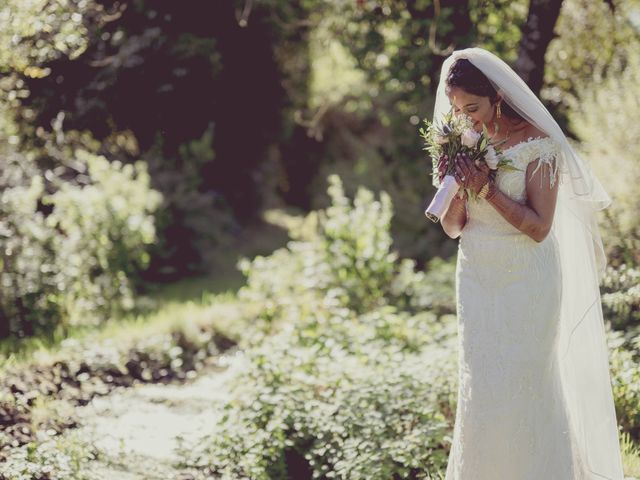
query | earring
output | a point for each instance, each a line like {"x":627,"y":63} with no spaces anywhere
{"x":498,"y":112}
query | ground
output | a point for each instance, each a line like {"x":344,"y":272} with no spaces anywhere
{"x":137,"y":430}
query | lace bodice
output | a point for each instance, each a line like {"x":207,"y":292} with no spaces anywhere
{"x":482,"y":216}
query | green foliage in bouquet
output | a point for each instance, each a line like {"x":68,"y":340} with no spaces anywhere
{"x":454,"y":134}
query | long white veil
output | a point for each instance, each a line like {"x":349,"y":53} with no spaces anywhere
{"x":582,"y":350}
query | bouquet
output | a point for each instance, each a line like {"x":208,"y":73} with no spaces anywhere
{"x":453,"y":135}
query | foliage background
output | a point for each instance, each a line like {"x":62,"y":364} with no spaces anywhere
{"x":140,"y":141}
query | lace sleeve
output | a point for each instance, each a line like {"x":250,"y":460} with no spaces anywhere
{"x":546,"y":154}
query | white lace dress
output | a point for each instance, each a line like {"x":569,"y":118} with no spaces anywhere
{"x":511,"y":419}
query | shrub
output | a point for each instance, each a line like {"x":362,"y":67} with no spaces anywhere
{"x":625,"y":373}
{"x":604,"y":120}
{"x":340,"y":257}
{"x":322,"y":412}
{"x":621,"y":296}
{"x":351,"y":376}
{"x":54,"y":459}
{"x":71,"y":256}
{"x":107,"y":227}
{"x":32,"y":293}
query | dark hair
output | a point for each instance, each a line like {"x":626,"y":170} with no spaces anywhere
{"x":465,"y":75}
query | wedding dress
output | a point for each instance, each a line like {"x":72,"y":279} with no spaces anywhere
{"x":511,"y":419}
{"x":535,"y":399}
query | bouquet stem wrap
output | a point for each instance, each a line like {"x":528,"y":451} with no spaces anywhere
{"x":442,"y":199}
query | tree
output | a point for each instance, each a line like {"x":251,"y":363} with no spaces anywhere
{"x":536,"y":35}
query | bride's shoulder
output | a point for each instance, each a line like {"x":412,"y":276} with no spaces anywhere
{"x":539,"y":139}
{"x":534,"y":132}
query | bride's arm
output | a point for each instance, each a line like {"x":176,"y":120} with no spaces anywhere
{"x":536,"y":216}
{"x":455,"y":218}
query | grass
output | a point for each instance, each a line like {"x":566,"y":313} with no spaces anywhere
{"x":168,"y":307}
{"x":171,"y":316}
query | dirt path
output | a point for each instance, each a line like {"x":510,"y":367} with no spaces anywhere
{"x":136,"y":430}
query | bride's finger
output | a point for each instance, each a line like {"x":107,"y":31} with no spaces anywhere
{"x":470,"y":164}
{"x":464,"y":168}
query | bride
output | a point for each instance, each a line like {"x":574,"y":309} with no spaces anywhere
{"x":534,"y":393}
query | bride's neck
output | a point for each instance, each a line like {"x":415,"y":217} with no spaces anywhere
{"x":505,"y":127}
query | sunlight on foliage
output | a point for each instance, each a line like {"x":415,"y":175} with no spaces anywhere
{"x":36,"y":31}
{"x":604,"y":119}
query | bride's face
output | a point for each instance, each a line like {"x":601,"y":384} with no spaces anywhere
{"x":478,"y":108}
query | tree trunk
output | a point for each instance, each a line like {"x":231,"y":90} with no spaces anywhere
{"x":536,"y":35}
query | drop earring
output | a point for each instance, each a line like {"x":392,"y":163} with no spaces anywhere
{"x":498,"y":111}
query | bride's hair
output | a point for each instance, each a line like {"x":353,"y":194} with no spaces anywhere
{"x":465,"y":75}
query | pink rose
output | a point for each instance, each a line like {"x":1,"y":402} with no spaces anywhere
{"x":470,"y":138}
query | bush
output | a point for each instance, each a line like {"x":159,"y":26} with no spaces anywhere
{"x":625,"y":373}
{"x":320,"y":411}
{"x":340,"y":258}
{"x":52,"y":459}
{"x":351,"y":376}
{"x":32,"y":293}
{"x":107,"y":228}
{"x":621,"y":296}
{"x":603,"y":117}
{"x":72,"y":256}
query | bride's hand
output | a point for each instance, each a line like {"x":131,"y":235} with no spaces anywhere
{"x":470,"y":176}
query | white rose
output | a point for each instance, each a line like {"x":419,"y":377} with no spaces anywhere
{"x":491,"y":158}
{"x":470,"y":138}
